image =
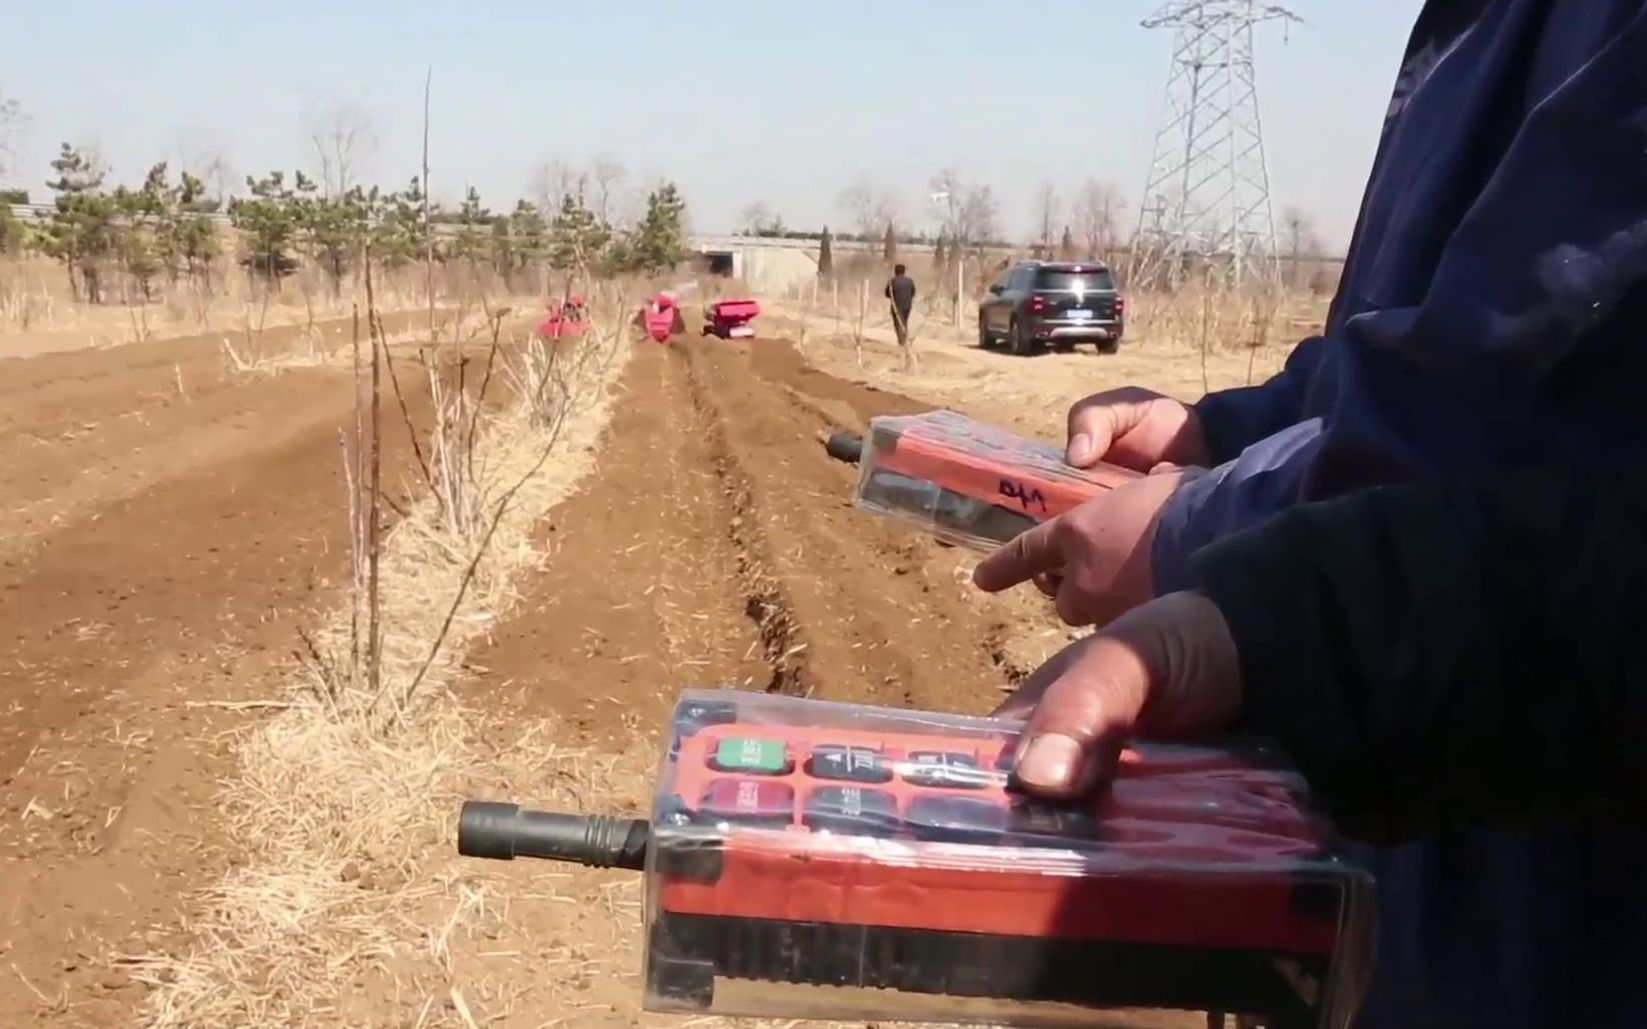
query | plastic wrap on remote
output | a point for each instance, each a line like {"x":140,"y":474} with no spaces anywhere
{"x":968,"y":482}
{"x":944,"y":513}
{"x":820,"y":860}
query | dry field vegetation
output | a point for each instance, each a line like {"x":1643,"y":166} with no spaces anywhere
{"x":1199,"y":338}
{"x":285,"y":581}
{"x":39,"y":314}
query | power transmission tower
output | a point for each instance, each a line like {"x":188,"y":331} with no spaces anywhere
{"x":1208,"y":195}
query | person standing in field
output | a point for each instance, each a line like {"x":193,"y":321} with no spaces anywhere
{"x":900,"y":289}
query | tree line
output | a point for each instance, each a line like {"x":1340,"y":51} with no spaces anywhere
{"x":168,"y":229}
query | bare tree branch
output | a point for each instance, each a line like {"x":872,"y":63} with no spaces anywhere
{"x":344,"y":138}
{"x":1048,"y":209}
{"x":868,"y":208}
{"x":553,"y":182}
{"x":609,"y":175}
{"x":1097,"y":210}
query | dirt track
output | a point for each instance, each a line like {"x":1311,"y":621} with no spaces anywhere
{"x":717,"y":547}
{"x":160,"y":547}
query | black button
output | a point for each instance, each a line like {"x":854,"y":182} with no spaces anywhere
{"x":956,"y":820}
{"x":852,"y":810}
{"x":1006,"y":756}
{"x":947,"y":770}
{"x":1047,"y":825}
{"x":848,"y":764}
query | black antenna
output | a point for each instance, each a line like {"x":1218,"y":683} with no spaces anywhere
{"x":503,"y":832}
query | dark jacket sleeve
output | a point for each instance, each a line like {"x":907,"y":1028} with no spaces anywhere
{"x":1435,"y":657}
{"x":1234,"y":419}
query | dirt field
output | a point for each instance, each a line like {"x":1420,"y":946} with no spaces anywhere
{"x":167,"y":524}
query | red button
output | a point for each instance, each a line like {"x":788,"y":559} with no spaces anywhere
{"x":750,"y":801}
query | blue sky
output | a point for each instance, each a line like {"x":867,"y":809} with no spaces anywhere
{"x":737,"y":100}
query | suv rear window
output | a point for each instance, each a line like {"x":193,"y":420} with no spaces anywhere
{"x":1094,"y":281}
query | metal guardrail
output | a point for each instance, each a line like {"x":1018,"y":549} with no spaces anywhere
{"x":41,"y":212}
{"x":724,"y":242}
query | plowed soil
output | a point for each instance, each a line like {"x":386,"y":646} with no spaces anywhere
{"x":159,"y":543}
{"x":164,"y":524}
{"x":719,"y":548}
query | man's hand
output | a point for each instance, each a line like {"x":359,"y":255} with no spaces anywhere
{"x":1168,"y":669}
{"x":1135,"y":428}
{"x":1094,"y":560}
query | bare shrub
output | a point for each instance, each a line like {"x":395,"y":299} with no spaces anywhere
{"x":474,"y":458}
{"x":343,"y":798}
{"x":1213,"y":317}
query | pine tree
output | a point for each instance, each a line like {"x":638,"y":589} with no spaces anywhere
{"x":577,"y":239}
{"x":269,"y":221}
{"x":1066,"y":248}
{"x":889,"y":245}
{"x":137,"y":242}
{"x":502,"y":246}
{"x":185,"y":238}
{"x":469,"y":244}
{"x":81,"y":230}
{"x":398,"y":234}
{"x":528,"y":235}
{"x":659,"y":243}
{"x":332,"y":228}
{"x":197,"y":241}
{"x":940,"y":255}
{"x":826,"y":255}
{"x":12,"y":234}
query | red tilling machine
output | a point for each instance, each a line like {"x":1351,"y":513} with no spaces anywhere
{"x":730,"y":319}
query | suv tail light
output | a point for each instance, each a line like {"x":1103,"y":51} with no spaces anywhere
{"x":1120,"y":307}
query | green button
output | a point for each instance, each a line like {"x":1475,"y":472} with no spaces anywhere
{"x":742,"y":754}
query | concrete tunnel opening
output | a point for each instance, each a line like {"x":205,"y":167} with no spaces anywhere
{"x":719,"y":263}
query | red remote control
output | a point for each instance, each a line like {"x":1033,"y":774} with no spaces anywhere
{"x":881,"y":862}
{"x":969,"y":482}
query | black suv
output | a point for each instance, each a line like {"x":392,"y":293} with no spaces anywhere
{"x":1057,"y":302}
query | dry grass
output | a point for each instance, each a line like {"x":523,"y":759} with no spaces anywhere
{"x":333,"y":818}
{"x":1197,"y":318}
{"x":35,"y":295}
{"x":1184,"y":346}
{"x":344,"y":800}
{"x":245,"y":352}
{"x":38,"y":314}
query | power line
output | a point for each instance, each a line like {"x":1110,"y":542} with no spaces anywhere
{"x":1208,"y":195}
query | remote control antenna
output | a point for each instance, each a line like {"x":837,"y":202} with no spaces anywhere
{"x":844,"y":446}
{"x":504,"y":832}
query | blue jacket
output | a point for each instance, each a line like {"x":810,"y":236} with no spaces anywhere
{"x":1492,"y":313}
